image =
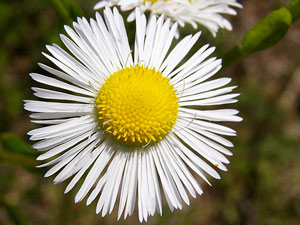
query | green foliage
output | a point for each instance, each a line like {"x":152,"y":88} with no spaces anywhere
{"x":10,"y":142}
{"x":15,"y":151}
{"x":267,"y":32}
{"x":294,"y":7}
{"x":67,"y":10}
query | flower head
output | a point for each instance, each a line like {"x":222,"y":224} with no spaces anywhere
{"x":205,"y":12}
{"x":133,"y":125}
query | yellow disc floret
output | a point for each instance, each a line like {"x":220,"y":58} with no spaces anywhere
{"x":137,"y":105}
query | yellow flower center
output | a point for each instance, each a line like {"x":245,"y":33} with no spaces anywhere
{"x":152,"y":1}
{"x":137,"y":105}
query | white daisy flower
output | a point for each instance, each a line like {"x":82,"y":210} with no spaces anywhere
{"x":205,"y":12}
{"x":133,"y":127}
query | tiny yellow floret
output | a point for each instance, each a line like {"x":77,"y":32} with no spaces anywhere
{"x":137,"y":105}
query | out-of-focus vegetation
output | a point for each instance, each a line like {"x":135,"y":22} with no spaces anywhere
{"x":262,"y":185}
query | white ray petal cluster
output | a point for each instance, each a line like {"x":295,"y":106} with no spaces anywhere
{"x":205,"y":12}
{"x":76,"y":147}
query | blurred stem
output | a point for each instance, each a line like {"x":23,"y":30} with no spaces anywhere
{"x":62,"y":11}
{"x":233,"y":56}
{"x":74,"y":8}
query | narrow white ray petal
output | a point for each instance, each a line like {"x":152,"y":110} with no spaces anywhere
{"x":73,"y":70}
{"x":65,"y":77}
{"x":178,"y":53}
{"x":125,"y":184}
{"x":159,"y":45}
{"x":167,"y":183}
{"x":142,"y":188}
{"x":97,"y":189}
{"x":202,"y":149}
{"x":86,"y":159}
{"x":132,"y":189}
{"x":149,"y":40}
{"x":201,"y":73}
{"x":154,"y":177}
{"x":64,"y":144}
{"x":166,"y":45}
{"x":84,"y":38}
{"x":85,"y":49}
{"x":170,"y":164}
{"x":76,"y":164}
{"x":50,"y":143}
{"x":204,"y":87}
{"x":139,"y":56}
{"x":140,"y":195}
{"x":56,"y":95}
{"x":121,"y":42}
{"x":172,"y":158}
{"x":70,"y":65}
{"x":59,"y":84}
{"x":85,"y":58}
{"x":109,"y":45}
{"x":64,"y":133}
{"x":211,"y":115}
{"x":61,"y":129}
{"x":210,"y":145}
{"x":208,"y":94}
{"x":73,"y":151}
{"x":94,"y":173}
{"x":194,"y":161}
{"x":86,"y":31}
{"x":41,"y":106}
{"x":87,"y":162}
{"x":57,"y":115}
{"x":58,"y":166}
{"x":107,"y":189}
{"x":190,"y":66}
{"x":212,"y":127}
{"x":51,"y":122}
{"x":157,"y":38}
{"x":185,"y":175}
{"x":151,"y":188}
{"x":220,"y":100}
{"x":212,"y":136}
{"x":116,"y":185}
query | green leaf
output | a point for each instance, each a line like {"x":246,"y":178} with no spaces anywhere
{"x":26,"y":162}
{"x":233,"y":56}
{"x":67,"y":10}
{"x":12,"y":143}
{"x":294,"y":7}
{"x":268,"y":31}
{"x":62,"y":11}
{"x":73,"y":8}
{"x":15,"y":151}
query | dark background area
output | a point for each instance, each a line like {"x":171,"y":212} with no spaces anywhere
{"x":262,"y":185}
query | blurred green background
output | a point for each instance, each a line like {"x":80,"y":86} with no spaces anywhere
{"x":262,"y":185}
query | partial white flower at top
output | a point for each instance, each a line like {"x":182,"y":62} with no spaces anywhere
{"x":131,"y":124}
{"x":205,"y":12}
